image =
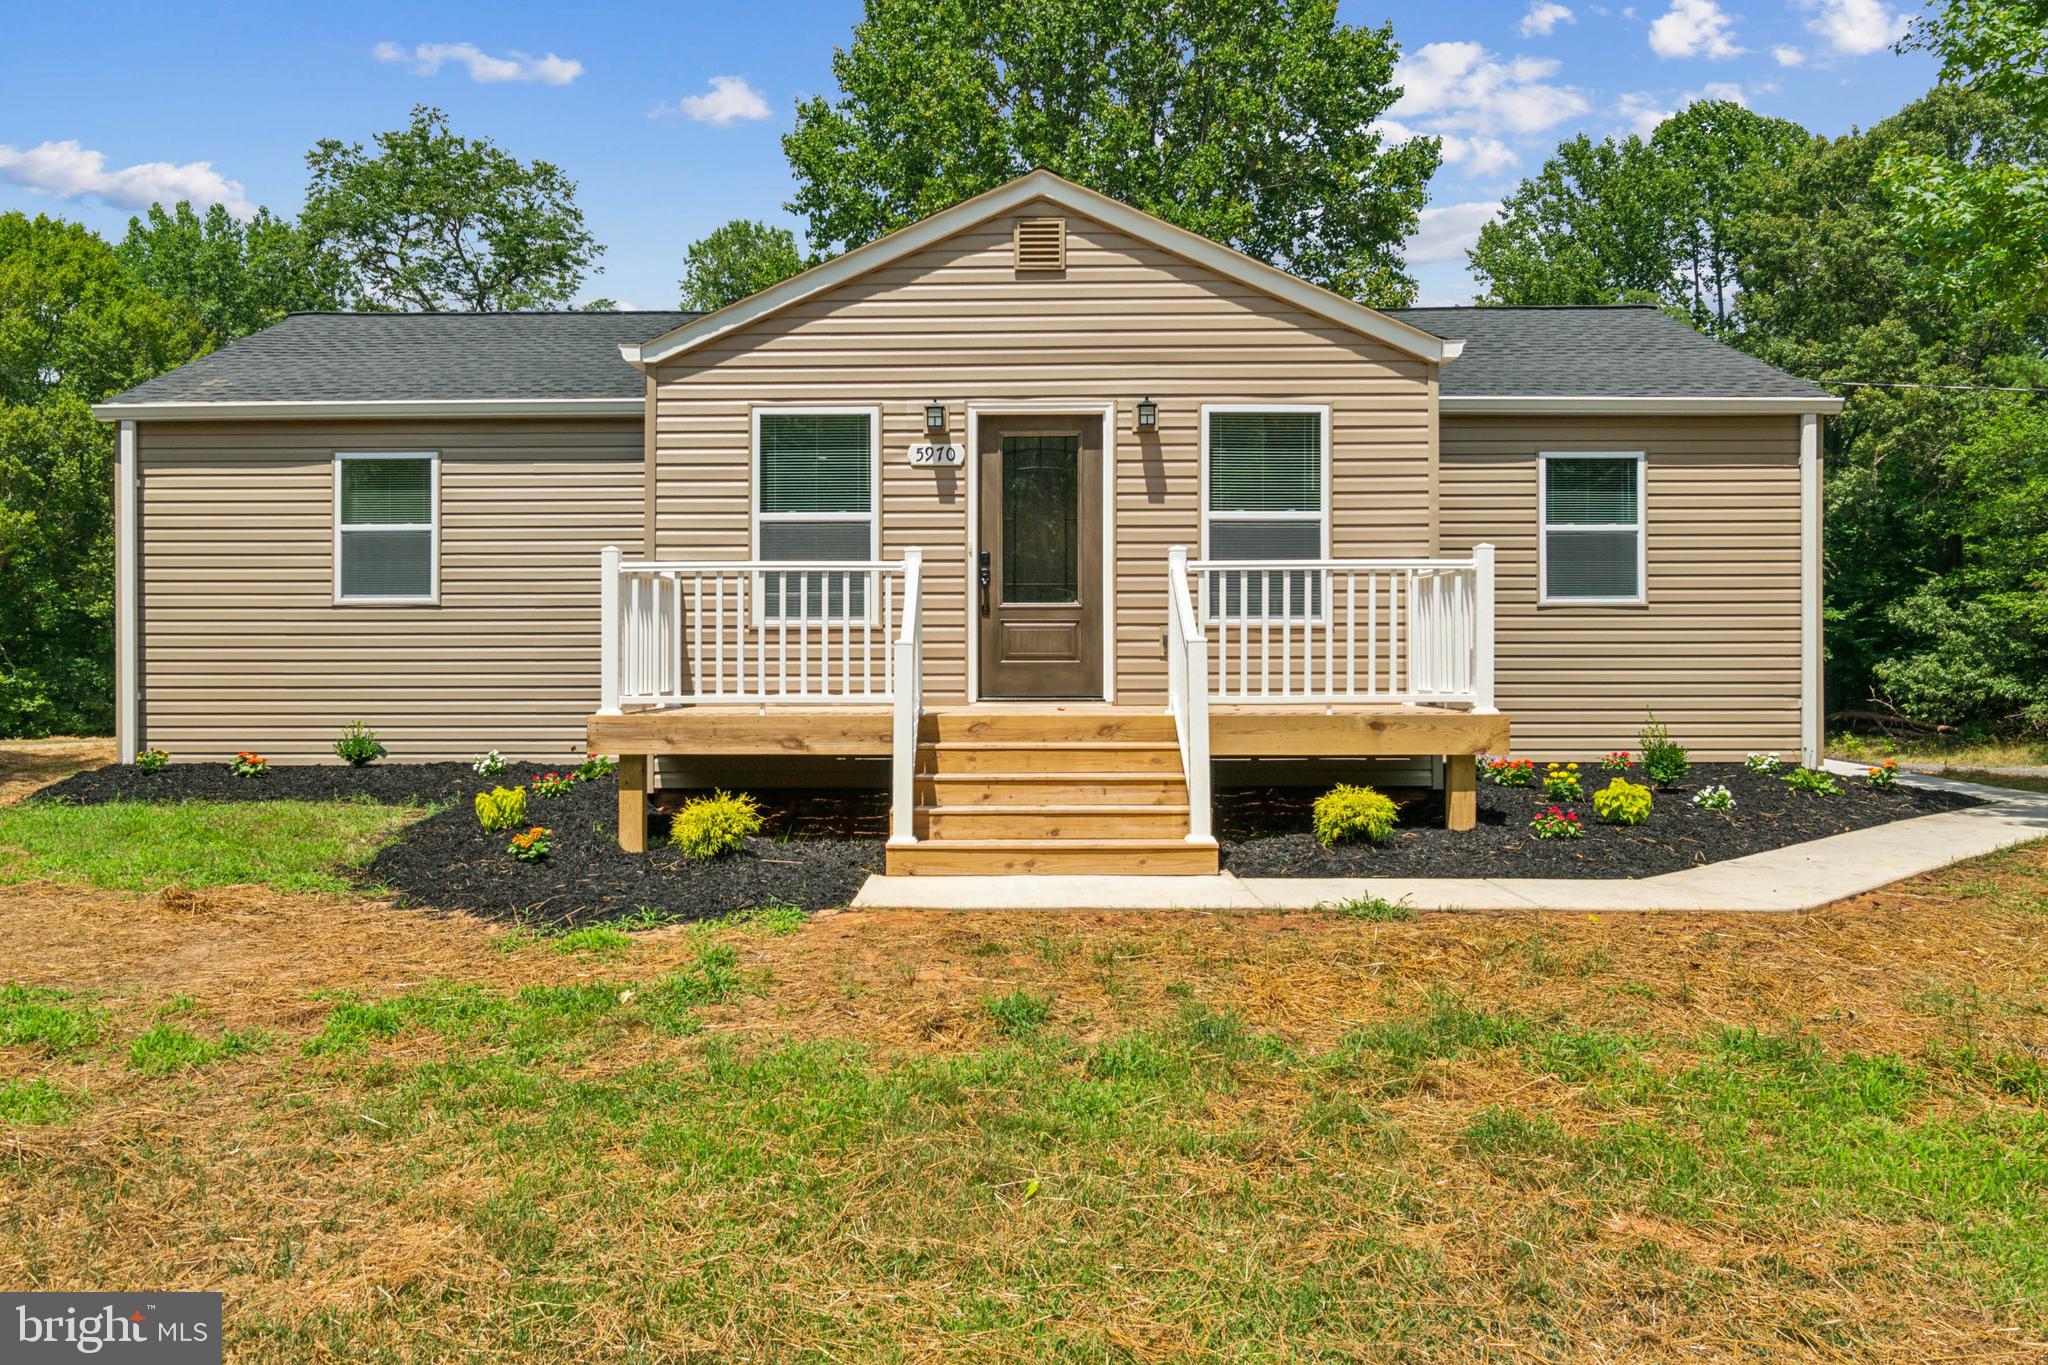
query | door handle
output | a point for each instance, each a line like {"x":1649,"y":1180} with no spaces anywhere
{"x":983,"y":576}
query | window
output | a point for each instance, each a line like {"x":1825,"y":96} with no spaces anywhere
{"x":1265,"y":490}
{"x":1592,"y":511}
{"x":386,"y":542}
{"x":814,"y":502}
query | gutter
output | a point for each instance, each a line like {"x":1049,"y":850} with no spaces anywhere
{"x":1674,"y":405}
{"x":370,"y":409}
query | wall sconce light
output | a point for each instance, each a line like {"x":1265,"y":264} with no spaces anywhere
{"x":1148,"y":415}
{"x":934,"y":416}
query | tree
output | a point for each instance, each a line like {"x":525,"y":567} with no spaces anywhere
{"x":1980,"y":222}
{"x":1251,"y":123}
{"x":743,"y":257}
{"x":438,"y":222}
{"x":239,"y":277}
{"x":1630,"y":220}
{"x":56,"y":570}
{"x":74,"y":321}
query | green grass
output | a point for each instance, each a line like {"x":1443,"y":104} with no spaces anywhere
{"x":1019,"y":1014}
{"x":134,"y":846}
{"x":33,"y":1101}
{"x":1373,"y":909}
{"x":53,"y":1022}
{"x":165,"y":1049}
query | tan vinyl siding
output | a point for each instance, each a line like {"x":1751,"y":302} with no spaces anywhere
{"x":243,"y":646}
{"x":957,"y":323}
{"x":1715,"y":649}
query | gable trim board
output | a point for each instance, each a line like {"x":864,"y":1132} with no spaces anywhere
{"x":1035,"y":185}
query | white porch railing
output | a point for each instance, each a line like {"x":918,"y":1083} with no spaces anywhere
{"x":1347,"y":630}
{"x":907,"y":651}
{"x":1187,"y":669}
{"x":751,"y":631}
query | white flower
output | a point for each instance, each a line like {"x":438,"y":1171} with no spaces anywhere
{"x":1714,"y":798}
{"x":1763,"y":763}
{"x":490,"y":765}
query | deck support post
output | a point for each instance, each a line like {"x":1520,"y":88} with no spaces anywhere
{"x":1461,"y":791}
{"x":633,"y":783}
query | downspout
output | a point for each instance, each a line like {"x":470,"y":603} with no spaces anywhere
{"x":1812,"y":673}
{"x":127,"y":599}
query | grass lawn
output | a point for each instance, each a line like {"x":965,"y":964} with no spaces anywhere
{"x":386,"y":1135}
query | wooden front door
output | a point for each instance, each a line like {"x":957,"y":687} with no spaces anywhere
{"x":1039,"y":569}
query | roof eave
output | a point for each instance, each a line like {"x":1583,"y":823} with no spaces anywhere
{"x":1733,"y":405}
{"x":202,"y":411}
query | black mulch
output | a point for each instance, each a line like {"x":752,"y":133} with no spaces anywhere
{"x":1264,"y":832}
{"x":815,"y":852}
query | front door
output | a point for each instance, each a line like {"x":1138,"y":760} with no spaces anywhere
{"x":1039,"y":569}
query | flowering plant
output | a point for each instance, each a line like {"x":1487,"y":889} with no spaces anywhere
{"x":490,"y":765}
{"x":1511,"y":772}
{"x":1885,"y":775}
{"x":249,"y":765}
{"x":1762,"y":763}
{"x":596,"y":766}
{"x":1714,"y":798}
{"x":1617,"y":762}
{"x":1561,"y":782}
{"x":531,"y":846}
{"x":1557,"y":823}
{"x":554,"y":784}
{"x":153,"y":760}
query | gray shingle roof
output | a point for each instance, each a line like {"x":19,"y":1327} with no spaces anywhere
{"x":1625,"y":351}
{"x":354,"y":357}
{"x":359,"y":357}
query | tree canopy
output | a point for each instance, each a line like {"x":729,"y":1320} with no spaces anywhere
{"x":740,"y":258}
{"x":238,"y":277}
{"x":1251,"y":123}
{"x":438,"y":222}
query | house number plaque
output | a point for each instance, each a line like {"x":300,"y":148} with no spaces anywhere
{"x":923,"y":453}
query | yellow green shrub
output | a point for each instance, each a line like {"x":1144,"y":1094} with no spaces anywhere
{"x":501,"y":808}
{"x":715,"y":824}
{"x":1622,"y":802}
{"x":1347,"y":812}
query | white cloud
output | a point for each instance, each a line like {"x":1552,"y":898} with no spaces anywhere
{"x":70,"y":171}
{"x":1447,"y":233}
{"x":729,"y":100}
{"x":1857,"y":27}
{"x":1462,"y":86}
{"x":1694,"y":28}
{"x":1543,"y":18}
{"x":1475,"y":155}
{"x":1789,"y":56}
{"x":428,"y":58}
{"x":1643,"y":111}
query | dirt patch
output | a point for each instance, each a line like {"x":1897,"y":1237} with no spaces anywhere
{"x":1264,"y":832}
{"x":27,"y":765}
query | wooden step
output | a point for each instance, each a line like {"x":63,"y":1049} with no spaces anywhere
{"x":1042,"y":789}
{"x":952,"y":823}
{"x":1026,"y":756}
{"x":1039,"y":725}
{"x":1022,"y":857}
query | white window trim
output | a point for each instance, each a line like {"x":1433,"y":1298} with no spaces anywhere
{"x":1322,"y":516}
{"x":1544,"y":528}
{"x":755,"y":516}
{"x":432,"y":526}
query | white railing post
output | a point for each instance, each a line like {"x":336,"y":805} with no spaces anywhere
{"x":1187,"y":662}
{"x":1482,"y":628}
{"x":608,"y":630}
{"x":907,"y":656}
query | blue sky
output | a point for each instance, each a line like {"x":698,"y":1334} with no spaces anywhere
{"x":669,"y":116}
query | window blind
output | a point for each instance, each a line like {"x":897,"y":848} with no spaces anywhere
{"x":386,"y":530}
{"x":1592,"y":531}
{"x":1265,"y":502}
{"x":816,"y":503}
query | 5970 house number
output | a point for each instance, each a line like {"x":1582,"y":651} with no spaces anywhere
{"x":923,"y":453}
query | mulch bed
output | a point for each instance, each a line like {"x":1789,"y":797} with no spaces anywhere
{"x":816,"y":850}
{"x":1264,"y":832}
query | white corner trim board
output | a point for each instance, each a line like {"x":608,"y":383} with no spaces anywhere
{"x":1812,"y":660}
{"x":127,"y":598}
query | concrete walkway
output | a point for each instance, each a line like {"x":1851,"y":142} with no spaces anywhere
{"x":1800,"y":877}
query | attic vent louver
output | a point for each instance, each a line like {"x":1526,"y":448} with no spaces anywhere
{"x":1041,"y":244}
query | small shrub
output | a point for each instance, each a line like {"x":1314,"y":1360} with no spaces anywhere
{"x":153,"y":760}
{"x":1018,"y":1014}
{"x":1373,"y":909}
{"x":1664,"y":759}
{"x":1561,"y":782}
{"x":1347,"y":812}
{"x":596,"y":766}
{"x":1762,"y":763}
{"x":1622,"y":802}
{"x":715,"y":824}
{"x":1812,"y":782}
{"x":490,"y":764}
{"x":358,"y":745}
{"x":1885,"y":775}
{"x":1556,"y":823}
{"x":501,"y":808}
{"x":249,"y":765}
{"x":531,"y":846}
{"x":1511,"y":772}
{"x":1617,"y":762}
{"x":554,"y":784}
{"x":1714,"y":798}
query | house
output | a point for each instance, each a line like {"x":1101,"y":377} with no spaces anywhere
{"x":1042,"y":512}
